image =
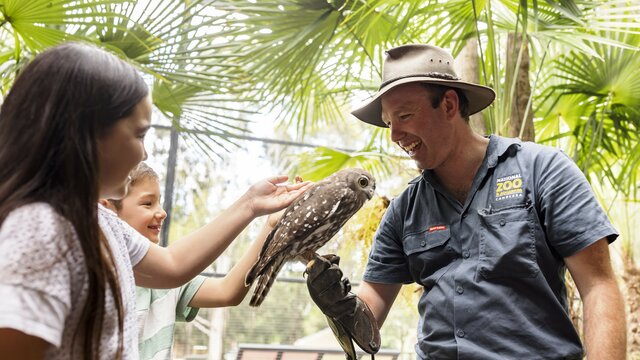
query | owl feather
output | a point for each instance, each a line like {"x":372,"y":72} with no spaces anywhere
{"x":309,"y":223}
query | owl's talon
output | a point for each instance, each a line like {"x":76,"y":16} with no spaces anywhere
{"x":309,"y":266}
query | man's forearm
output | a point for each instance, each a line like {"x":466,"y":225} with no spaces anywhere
{"x":605,"y":326}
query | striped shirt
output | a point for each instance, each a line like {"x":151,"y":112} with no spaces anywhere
{"x":157,"y":311}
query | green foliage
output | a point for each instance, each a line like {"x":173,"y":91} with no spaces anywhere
{"x":596,"y":105}
{"x":321,"y":162}
{"x":215,"y":64}
{"x":39,"y":24}
{"x":361,"y":228}
{"x":310,"y":53}
{"x":195,"y":79}
{"x":28,"y":27}
{"x":308,"y":58}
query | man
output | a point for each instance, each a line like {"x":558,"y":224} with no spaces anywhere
{"x":488,"y":230}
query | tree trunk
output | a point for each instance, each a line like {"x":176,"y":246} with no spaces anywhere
{"x":632,"y":281}
{"x":521,"y":119}
{"x":170,"y":181}
{"x":467,"y":67}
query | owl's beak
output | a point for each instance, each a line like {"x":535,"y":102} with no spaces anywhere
{"x":370,"y":193}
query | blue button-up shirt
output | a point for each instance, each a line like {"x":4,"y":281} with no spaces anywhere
{"x":492,"y":268}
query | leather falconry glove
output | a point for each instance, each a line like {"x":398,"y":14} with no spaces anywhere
{"x":349,"y":317}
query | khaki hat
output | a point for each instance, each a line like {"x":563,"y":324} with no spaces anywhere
{"x":426,"y":64}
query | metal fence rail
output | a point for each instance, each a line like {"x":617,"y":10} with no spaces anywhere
{"x":292,"y":352}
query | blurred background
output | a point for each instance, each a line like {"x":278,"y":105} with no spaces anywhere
{"x":243,"y":90}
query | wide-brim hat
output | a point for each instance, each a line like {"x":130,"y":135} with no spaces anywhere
{"x":425,"y":64}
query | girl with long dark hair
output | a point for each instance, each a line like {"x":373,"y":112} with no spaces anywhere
{"x":71,"y":129}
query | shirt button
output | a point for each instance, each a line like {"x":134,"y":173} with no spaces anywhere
{"x":460,"y":333}
{"x":423,"y":243}
{"x":464,"y":215}
{"x":459,"y":290}
{"x":466,"y":254}
{"x":502,"y":222}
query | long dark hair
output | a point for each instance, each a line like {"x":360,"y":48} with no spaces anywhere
{"x":61,"y":102}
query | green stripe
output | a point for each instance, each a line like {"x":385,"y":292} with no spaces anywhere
{"x":161,"y":340}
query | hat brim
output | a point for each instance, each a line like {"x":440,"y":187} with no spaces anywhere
{"x":479,"y":97}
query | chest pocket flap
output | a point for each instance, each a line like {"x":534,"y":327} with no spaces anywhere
{"x":422,"y":241}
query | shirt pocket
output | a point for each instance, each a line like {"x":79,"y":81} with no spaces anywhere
{"x":507,"y":244}
{"x":426,"y":252}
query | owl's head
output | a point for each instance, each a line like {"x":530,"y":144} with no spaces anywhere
{"x":360,"y":181}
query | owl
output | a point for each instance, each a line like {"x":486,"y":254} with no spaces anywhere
{"x":309,"y":223}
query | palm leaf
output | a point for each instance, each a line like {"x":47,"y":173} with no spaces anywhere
{"x":326,"y":161}
{"x":197,"y":86}
{"x":43,"y":23}
{"x":306,"y":57}
{"x":606,"y":119}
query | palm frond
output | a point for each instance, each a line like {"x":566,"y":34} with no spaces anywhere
{"x":306,"y":57}
{"x":322,"y":162}
{"x":38,"y":24}
{"x":197,"y":85}
{"x":595,"y":95}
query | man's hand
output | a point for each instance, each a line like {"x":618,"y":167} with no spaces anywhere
{"x":333,"y":296}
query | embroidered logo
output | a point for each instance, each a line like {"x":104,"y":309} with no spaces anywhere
{"x":436,"y":228}
{"x":508,"y":187}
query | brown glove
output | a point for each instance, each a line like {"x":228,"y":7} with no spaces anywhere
{"x":332,"y":295}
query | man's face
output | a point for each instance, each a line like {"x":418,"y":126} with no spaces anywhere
{"x":424,"y":133}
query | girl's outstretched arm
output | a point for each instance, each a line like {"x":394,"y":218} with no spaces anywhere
{"x":178,"y":263}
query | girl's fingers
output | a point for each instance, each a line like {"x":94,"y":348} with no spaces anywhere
{"x":279,"y":179}
{"x":298,"y":185}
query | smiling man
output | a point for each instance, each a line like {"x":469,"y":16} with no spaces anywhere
{"x":488,"y":229}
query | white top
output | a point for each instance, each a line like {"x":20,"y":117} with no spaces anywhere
{"x":43,"y":281}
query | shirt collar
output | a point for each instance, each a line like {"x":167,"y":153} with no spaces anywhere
{"x":497,"y":148}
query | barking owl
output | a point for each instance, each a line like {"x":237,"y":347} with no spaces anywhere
{"x":309,"y":223}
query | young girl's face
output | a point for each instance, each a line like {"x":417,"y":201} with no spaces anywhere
{"x":142,"y":210}
{"x":121,"y":149}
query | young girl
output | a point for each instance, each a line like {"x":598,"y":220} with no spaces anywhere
{"x":71,"y":130}
{"x":158,"y":310}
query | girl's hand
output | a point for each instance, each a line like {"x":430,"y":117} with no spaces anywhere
{"x":273,"y":218}
{"x":271,"y":195}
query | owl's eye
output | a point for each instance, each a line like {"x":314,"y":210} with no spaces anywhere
{"x":363,"y":181}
